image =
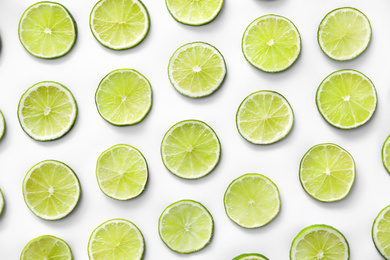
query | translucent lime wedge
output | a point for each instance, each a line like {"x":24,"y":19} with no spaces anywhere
{"x":2,"y":125}
{"x":386,"y":154}
{"x":250,"y":257}
{"x":46,"y":248}
{"x":1,"y":202}
{"x":381,"y":232}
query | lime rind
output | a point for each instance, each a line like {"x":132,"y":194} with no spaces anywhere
{"x":2,"y":125}
{"x":2,"y":202}
{"x":385,"y":155}
{"x":58,"y":240}
{"x":253,"y":256}
{"x":374,"y":231}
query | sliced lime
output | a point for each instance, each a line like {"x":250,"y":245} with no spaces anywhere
{"x":386,"y":154}
{"x":186,"y":226}
{"x":264,"y":117}
{"x":51,"y":190}
{"x":252,"y":200}
{"x":1,"y":202}
{"x":119,"y":24}
{"x":116,"y":239}
{"x":2,"y":125}
{"x":47,"y":30}
{"x":346,"y":99}
{"x":381,"y":232}
{"x":46,"y":248}
{"x":250,"y":257}
{"x":344,"y":33}
{"x":271,"y":43}
{"x":124,"y":97}
{"x":196,"y":69}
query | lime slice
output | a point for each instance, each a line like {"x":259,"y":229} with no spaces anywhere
{"x":122,"y":172}
{"x":252,"y":200}
{"x":197,"y":69}
{"x":46,"y":248}
{"x":119,"y":24}
{"x":186,"y":226}
{"x":51,"y":190}
{"x":47,"y":30}
{"x":344,"y":34}
{"x":264,"y":117}
{"x":1,"y":202}
{"x":194,"y":12}
{"x":47,"y":111}
{"x":124,"y":97}
{"x":250,"y":257}
{"x":386,"y":154}
{"x":381,"y":232}
{"x":271,"y":43}
{"x":327,"y":172}
{"x":2,"y":125}
{"x":346,"y":99}
{"x":116,"y":239}
{"x":319,"y":242}
{"x":190,"y":149}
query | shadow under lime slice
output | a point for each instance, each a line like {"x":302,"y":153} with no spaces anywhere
{"x":250,"y":257}
{"x":46,"y":248}
{"x":381,"y":232}
{"x":386,"y":154}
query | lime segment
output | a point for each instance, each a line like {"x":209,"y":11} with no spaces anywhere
{"x":381,"y":232}
{"x":250,"y":257}
{"x":2,"y":125}
{"x":46,"y":248}
{"x":386,"y":154}
{"x":1,"y":202}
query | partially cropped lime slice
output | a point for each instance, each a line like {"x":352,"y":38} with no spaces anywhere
{"x":51,"y":190}
{"x":122,"y":172}
{"x":2,"y":125}
{"x":252,"y":200}
{"x":346,"y":99}
{"x":271,"y":43}
{"x":264,"y":117}
{"x":386,"y":154}
{"x":47,"y":111}
{"x":190,"y":149}
{"x":46,"y":248}
{"x":124,"y":97}
{"x":344,"y":33}
{"x":1,"y":202}
{"x":119,"y":24}
{"x":186,"y":226}
{"x":381,"y":232}
{"x":116,"y":239}
{"x":319,"y":242}
{"x":197,"y":69}
{"x":47,"y":30}
{"x":250,"y":257}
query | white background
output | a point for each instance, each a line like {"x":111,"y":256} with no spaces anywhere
{"x":83,"y":68}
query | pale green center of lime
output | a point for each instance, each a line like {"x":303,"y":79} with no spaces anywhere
{"x":47,"y":31}
{"x":51,"y":190}
{"x":346,"y":98}
{"x":47,"y":111}
{"x":320,"y":255}
{"x":197,"y":69}
{"x":271,"y":42}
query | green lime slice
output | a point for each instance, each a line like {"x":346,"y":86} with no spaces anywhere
{"x":124,"y":97}
{"x":119,"y":24}
{"x":344,"y":34}
{"x":186,"y":226}
{"x":51,"y":190}
{"x":47,"y":30}
{"x":319,"y":242}
{"x":2,"y":125}
{"x":271,"y":43}
{"x":46,"y":248}
{"x":250,"y":257}
{"x":122,"y":172}
{"x":381,"y":232}
{"x":386,"y":154}
{"x":346,"y":99}
{"x":116,"y":239}
{"x":1,"y":202}
{"x":47,"y":111}
{"x":252,"y":200}
{"x":264,"y":117}
{"x":190,"y":149}
{"x":196,"y":69}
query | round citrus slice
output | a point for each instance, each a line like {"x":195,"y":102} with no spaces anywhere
{"x":1,"y":202}
{"x":381,"y":232}
{"x":46,"y":248}
{"x":386,"y":154}
{"x":2,"y":125}
{"x":250,"y":257}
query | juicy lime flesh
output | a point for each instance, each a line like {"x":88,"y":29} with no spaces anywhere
{"x":46,"y":248}
{"x":124,"y":97}
{"x":1,"y":202}
{"x":386,"y":154}
{"x":381,"y":232}
{"x":2,"y":125}
{"x":271,"y":43}
{"x":122,"y":172}
{"x":250,"y":257}
{"x":252,"y":201}
{"x":346,"y":99}
{"x":47,"y":30}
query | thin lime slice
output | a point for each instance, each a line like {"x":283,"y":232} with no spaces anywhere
{"x":197,"y":69}
{"x":47,"y":30}
{"x":346,"y":99}
{"x":252,"y":200}
{"x":264,"y":117}
{"x":122,"y":172}
{"x":271,"y":43}
{"x":119,"y":24}
{"x":2,"y":125}
{"x":124,"y":97}
{"x":250,"y":257}
{"x":344,"y":34}
{"x":46,"y":248}
{"x":386,"y":154}
{"x":51,"y":190}
{"x":47,"y":111}
{"x":116,"y":239}
{"x":381,"y":232}
{"x":319,"y":242}
{"x":190,"y":149}
{"x":1,"y":202}
{"x":194,"y":12}
{"x":186,"y":226}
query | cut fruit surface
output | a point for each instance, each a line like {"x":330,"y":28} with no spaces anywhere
{"x":381,"y":232}
{"x":2,"y":125}
{"x":46,"y":248}
{"x":1,"y":202}
{"x":250,"y":257}
{"x":386,"y":154}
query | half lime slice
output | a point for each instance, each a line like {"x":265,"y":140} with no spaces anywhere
{"x":197,"y":69}
{"x":252,"y":200}
{"x":124,"y":97}
{"x":46,"y":248}
{"x":186,"y":226}
{"x":346,"y":99}
{"x":116,"y":239}
{"x":1,"y":202}
{"x":386,"y":154}
{"x":119,"y":24}
{"x":271,"y":43}
{"x":51,"y":190}
{"x":47,"y":30}
{"x":250,"y":257}
{"x":381,"y":232}
{"x":2,"y":125}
